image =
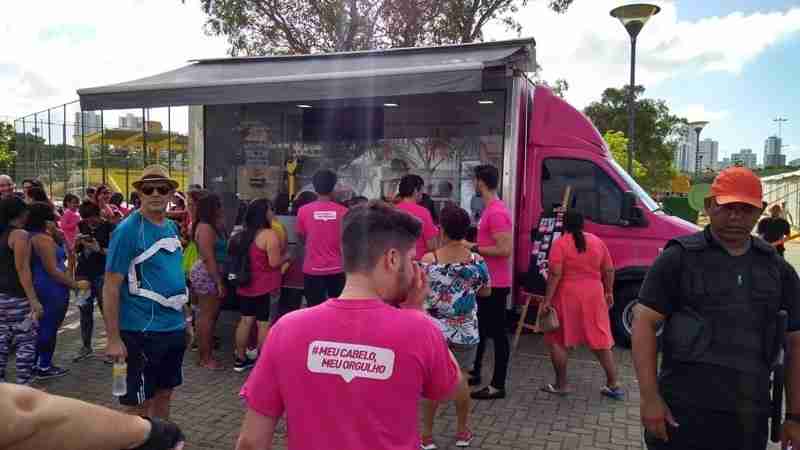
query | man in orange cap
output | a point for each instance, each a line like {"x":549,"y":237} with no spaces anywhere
{"x":718,"y":293}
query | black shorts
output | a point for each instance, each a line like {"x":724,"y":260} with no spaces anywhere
{"x":155,"y":363}
{"x":257,"y":306}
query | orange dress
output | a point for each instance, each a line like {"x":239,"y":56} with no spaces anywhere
{"x":579,"y":298}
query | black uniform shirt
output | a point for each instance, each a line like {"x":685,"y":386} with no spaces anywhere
{"x":704,"y":385}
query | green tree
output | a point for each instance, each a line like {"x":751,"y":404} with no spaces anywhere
{"x":7,"y":146}
{"x":618,"y":146}
{"x":258,"y":27}
{"x":657,"y":132}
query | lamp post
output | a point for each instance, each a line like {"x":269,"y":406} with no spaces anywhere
{"x":633,"y":18}
{"x":698,"y":158}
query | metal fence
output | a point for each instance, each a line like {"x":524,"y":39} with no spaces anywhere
{"x":69,"y":150}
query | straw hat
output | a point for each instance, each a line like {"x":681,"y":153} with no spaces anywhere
{"x":155,"y":173}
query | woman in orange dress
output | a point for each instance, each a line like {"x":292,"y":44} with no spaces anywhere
{"x":580,"y":287}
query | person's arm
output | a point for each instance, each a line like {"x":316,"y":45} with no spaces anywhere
{"x":45,"y":247}
{"x":275,"y":255}
{"x":32,"y":420}
{"x":655,"y":305}
{"x":502,"y":247}
{"x":607,"y":269}
{"x":111,"y":287}
{"x":257,"y":432}
{"x":206,"y":236}
{"x":21,"y":245}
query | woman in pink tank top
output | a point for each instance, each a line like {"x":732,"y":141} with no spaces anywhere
{"x":262,"y":246}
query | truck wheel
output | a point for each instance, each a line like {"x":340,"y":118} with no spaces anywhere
{"x":625,"y":298}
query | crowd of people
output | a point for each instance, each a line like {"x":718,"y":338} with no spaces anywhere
{"x":161,"y":267}
{"x":400,"y":304}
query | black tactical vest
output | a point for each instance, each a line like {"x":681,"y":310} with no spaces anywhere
{"x":709,"y":325}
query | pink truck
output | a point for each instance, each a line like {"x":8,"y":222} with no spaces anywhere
{"x":261,"y":126}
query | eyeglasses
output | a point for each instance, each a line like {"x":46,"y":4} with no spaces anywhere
{"x":162,"y":190}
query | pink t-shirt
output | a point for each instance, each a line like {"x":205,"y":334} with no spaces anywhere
{"x":429,"y":230}
{"x":495,"y":219}
{"x":351,"y":372}
{"x":69,"y":225}
{"x":320,"y":223}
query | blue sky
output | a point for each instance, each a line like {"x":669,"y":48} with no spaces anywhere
{"x":731,"y":62}
{"x":766,"y":88}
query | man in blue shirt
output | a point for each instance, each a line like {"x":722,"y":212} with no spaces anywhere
{"x":145,"y":298}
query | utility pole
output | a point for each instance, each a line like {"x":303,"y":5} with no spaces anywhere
{"x":780,"y":121}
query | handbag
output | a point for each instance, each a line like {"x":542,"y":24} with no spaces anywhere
{"x":546,"y":319}
{"x":190,"y":256}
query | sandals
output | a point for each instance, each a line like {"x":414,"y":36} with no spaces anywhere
{"x":615,"y":393}
{"x":551,"y":389}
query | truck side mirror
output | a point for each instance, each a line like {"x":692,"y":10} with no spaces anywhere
{"x":630,"y":213}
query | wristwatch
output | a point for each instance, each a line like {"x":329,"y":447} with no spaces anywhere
{"x":474,"y":249}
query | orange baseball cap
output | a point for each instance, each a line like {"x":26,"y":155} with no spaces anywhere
{"x":737,"y":185}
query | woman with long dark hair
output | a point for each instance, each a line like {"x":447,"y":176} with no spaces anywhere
{"x":20,"y":309}
{"x":580,"y":287}
{"x":207,"y":282}
{"x":261,"y":246}
{"x":52,"y":283}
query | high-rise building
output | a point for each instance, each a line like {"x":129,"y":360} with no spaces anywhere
{"x":685,"y":153}
{"x":130,"y":122}
{"x":746,"y":158}
{"x":773,"y":157}
{"x":86,"y":123}
{"x":709,"y":151}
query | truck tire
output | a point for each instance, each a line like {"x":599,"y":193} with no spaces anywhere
{"x":625,"y":298}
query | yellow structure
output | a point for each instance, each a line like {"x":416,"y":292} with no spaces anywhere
{"x":681,"y":184}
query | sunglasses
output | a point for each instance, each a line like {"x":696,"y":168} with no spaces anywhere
{"x":162,"y":190}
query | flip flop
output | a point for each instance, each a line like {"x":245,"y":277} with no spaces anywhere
{"x":614,"y":393}
{"x":550,"y":389}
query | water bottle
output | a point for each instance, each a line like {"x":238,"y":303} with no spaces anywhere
{"x":119,"y":385}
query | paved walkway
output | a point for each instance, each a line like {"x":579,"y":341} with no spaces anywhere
{"x":208,"y":408}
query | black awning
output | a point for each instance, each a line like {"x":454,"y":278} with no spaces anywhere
{"x":456,"y":68}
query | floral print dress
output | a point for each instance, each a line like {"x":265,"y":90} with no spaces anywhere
{"x":452,"y":301}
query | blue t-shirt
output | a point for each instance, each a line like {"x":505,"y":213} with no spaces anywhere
{"x":162,"y":273}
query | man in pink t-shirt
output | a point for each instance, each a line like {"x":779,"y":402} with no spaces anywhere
{"x":408,"y":194}
{"x":495,"y":245}
{"x":319,"y":225}
{"x":349,"y":373}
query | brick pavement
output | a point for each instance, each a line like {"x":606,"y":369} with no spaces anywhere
{"x":208,"y":408}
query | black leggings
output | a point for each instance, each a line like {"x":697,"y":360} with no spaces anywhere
{"x":492,"y":325}
{"x":290,"y":300}
{"x":319,"y":288}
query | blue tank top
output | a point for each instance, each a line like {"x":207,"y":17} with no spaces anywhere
{"x":221,"y":250}
{"x":46,"y":286}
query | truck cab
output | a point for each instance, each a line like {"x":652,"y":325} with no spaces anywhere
{"x":563,"y":148}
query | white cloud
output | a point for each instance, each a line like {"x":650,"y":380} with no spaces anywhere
{"x":591,"y":49}
{"x":52,"y":48}
{"x":694,"y":111}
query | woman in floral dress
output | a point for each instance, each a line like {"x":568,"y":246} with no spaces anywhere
{"x":457,"y":277}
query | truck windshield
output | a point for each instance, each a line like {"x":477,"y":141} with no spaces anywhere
{"x":649,"y":203}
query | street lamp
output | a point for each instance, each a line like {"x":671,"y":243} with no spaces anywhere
{"x":698,"y":158}
{"x":633,"y":18}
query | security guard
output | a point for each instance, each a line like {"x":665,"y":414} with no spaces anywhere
{"x":718,"y":293}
